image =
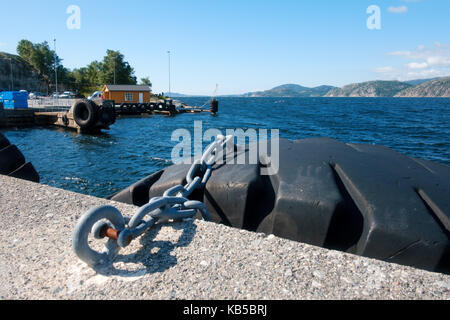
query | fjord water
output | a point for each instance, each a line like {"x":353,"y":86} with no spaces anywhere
{"x":135,"y":147}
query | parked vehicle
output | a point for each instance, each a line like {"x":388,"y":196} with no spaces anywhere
{"x":34,"y":95}
{"x":67,"y":95}
{"x":96,"y":95}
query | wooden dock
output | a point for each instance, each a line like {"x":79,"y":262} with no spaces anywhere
{"x":63,"y":116}
{"x":18,"y":117}
{"x":53,"y":116}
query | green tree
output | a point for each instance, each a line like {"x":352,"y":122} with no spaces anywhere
{"x":115,"y":68}
{"x":86,"y":80}
{"x":25,"y":49}
{"x":43,"y":59}
{"x":39,"y":56}
{"x":83,"y":80}
{"x":146,"y":82}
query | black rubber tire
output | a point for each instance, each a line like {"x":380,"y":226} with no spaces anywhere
{"x":10,"y":159}
{"x":114,"y":114}
{"x":138,"y":192}
{"x":65,"y":120}
{"x":134,"y":108}
{"x":123,"y":108}
{"x":140,"y":107}
{"x":363,"y":199}
{"x":106,"y":115}
{"x":172,"y":109}
{"x":3,"y":141}
{"x":12,"y":162}
{"x":26,"y":172}
{"x":85,"y":113}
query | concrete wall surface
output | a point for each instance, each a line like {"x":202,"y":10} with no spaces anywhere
{"x":184,"y":260}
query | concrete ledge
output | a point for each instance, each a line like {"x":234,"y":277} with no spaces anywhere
{"x":185,"y":260}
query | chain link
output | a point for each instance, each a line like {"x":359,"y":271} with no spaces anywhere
{"x":107,"y":221}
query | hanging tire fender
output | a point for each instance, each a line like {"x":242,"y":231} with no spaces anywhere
{"x":13,"y":164}
{"x":105,"y":115}
{"x":140,"y":107}
{"x":123,"y":107}
{"x":85,"y":113}
{"x":65,"y":120}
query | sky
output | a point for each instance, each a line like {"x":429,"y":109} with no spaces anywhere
{"x":244,"y":45}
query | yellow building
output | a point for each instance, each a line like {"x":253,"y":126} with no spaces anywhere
{"x":127,"y":93}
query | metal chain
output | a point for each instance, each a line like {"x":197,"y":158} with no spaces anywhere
{"x":107,"y":221}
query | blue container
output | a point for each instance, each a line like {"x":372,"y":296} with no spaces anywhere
{"x":14,"y":99}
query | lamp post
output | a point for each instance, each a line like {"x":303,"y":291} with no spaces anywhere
{"x":56,"y":68}
{"x":168,"y":52}
{"x":12,"y":83}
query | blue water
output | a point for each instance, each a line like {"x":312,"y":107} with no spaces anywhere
{"x":136,"y":147}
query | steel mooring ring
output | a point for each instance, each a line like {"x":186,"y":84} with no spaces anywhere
{"x":107,"y":221}
{"x":90,"y":222}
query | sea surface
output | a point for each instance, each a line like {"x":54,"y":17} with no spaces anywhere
{"x":134,"y":147}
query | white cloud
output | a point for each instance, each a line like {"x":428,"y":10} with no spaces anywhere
{"x":417,"y":65}
{"x":401,"y":74}
{"x":401,"y":9}
{"x":384,"y":69}
{"x":429,"y":73}
{"x":437,"y":55}
{"x":438,"y":61}
{"x":424,"y":62}
{"x":400,"y":53}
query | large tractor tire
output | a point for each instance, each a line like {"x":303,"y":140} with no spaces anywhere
{"x":362,"y":199}
{"x":123,"y":108}
{"x":134,"y":108}
{"x":140,"y":108}
{"x":107,"y":115}
{"x":85,"y":113}
{"x":147,"y":107}
{"x":12,"y":162}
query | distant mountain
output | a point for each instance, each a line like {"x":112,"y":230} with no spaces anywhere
{"x":291,"y":90}
{"x":435,"y":87}
{"x":175,"y":95}
{"x":439,"y":87}
{"x":369,"y":89}
{"x":419,"y":81}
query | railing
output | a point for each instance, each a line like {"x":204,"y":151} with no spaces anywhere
{"x":50,"y":109}
{"x":50,"y":103}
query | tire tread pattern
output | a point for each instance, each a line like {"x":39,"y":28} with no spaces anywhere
{"x":359,"y":198}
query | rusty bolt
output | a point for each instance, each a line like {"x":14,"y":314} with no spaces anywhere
{"x":109,"y":232}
